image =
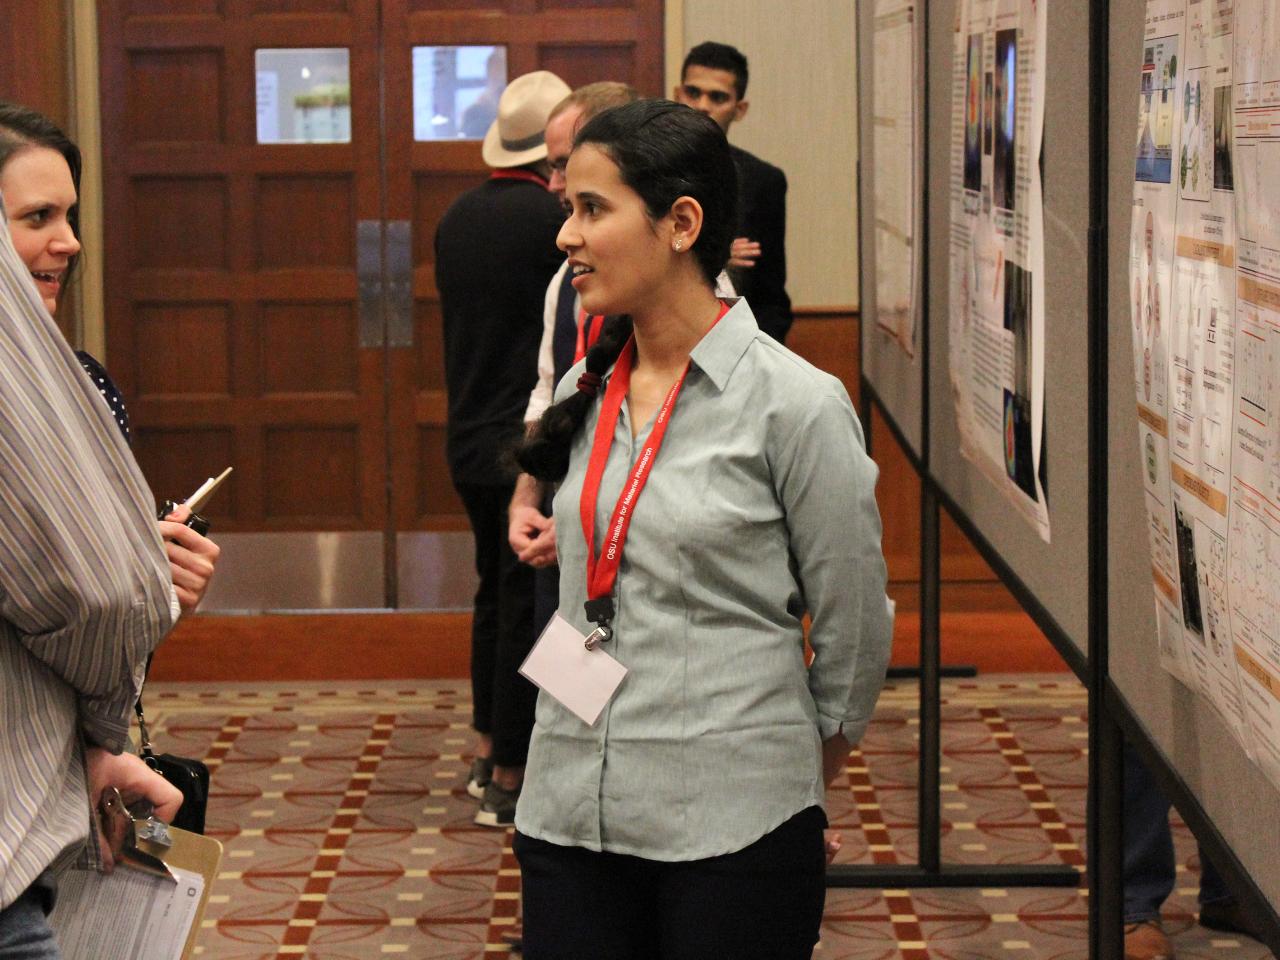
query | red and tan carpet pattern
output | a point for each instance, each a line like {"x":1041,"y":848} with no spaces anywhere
{"x":348,"y":830}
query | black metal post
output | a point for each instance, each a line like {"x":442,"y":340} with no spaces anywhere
{"x":930,"y":729}
{"x":1105,"y":813}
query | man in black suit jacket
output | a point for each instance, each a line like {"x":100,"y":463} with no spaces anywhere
{"x":713,"y":80}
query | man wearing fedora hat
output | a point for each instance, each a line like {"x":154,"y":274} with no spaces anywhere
{"x":495,"y":251}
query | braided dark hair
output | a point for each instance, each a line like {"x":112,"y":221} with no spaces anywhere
{"x":664,"y":151}
{"x":545,"y":453}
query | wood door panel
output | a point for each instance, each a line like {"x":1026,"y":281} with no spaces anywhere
{"x":581,"y":63}
{"x":305,"y":221}
{"x":204,"y":332}
{"x":175,"y":96}
{"x":238,"y":31}
{"x":312,"y":475}
{"x":428,"y":337}
{"x":179,"y":222}
{"x":461,"y":6}
{"x":172,"y":8}
{"x":578,"y":5}
{"x":221,"y":285}
{"x":262,"y":8}
{"x":308,"y":348}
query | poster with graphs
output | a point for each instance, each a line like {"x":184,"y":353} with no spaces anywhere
{"x":996,"y":324}
{"x":1205,"y":323}
{"x":895,"y":158}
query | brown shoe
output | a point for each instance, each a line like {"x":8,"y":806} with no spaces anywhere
{"x":1146,"y":940}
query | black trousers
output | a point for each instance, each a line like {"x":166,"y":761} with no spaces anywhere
{"x":763,"y":902}
{"x":501,"y":628}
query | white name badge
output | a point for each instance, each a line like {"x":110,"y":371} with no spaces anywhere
{"x":581,"y":680}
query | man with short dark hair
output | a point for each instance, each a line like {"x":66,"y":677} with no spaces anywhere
{"x":495,"y":250}
{"x":713,"y":81}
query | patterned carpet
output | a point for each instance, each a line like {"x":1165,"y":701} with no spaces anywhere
{"x":348,"y":832}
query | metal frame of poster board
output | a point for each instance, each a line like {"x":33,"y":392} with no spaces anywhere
{"x":1226,"y":802}
{"x":1224,"y":798}
{"x":895,"y":406}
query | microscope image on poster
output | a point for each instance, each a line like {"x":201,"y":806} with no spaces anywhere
{"x":1155,"y":127}
{"x":1018,"y":461}
{"x":1005,"y":180}
{"x":973,"y":116}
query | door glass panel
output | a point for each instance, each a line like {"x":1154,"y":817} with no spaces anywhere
{"x":304,"y":95}
{"x":456,"y":91}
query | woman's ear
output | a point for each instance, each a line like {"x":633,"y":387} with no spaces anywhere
{"x":685,"y":223}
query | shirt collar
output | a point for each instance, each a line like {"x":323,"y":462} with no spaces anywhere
{"x":719,"y":351}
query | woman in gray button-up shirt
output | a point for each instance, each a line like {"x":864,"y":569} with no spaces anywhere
{"x":686,"y":822}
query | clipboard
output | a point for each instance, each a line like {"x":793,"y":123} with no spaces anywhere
{"x":132,"y":915}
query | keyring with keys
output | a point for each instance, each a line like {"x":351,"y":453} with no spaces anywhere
{"x":134,"y":836}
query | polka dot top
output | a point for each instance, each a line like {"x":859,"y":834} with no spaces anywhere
{"x":110,"y":393}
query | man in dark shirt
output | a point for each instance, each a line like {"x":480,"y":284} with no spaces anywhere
{"x":495,"y":251}
{"x":713,"y":80}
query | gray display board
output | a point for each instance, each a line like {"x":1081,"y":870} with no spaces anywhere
{"x":896,"y":376}
{"x":1182,"y":725}
{"x":1054,"y":573}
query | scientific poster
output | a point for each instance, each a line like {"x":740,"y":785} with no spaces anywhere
{"x":895,"y":157}
{"x":1182,"y":270}
{"x":1246,"y":147}
{"x":1205,"y":303}
{"x":997,"y":247}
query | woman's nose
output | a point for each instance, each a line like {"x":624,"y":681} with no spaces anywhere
{"x":65,"y":242}
{"x":568,"y":237}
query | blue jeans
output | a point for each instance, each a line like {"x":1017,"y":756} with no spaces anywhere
{"x":1149,"y":864}
{"x":24,"y":930}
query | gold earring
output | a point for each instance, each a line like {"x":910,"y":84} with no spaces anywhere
{"x":679,"y":245}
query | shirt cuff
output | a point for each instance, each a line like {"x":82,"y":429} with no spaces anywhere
{"x":175,"y":608}
{"x":828,"y":727}
{"x":853,"y":730}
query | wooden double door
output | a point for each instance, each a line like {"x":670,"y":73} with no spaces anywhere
{"x":272,"y":306}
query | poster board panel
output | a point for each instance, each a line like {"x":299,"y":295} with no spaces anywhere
{"x":1055,"y":573}
{"x":891,"y":345}
{"x":1185,"y":729}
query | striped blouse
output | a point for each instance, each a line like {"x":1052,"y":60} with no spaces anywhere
{"x":85,"y":587}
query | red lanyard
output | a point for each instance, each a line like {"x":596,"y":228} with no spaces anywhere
{"x":602,"y":571}
{"x":586,"y":340}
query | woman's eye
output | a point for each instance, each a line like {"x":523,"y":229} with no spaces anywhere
{"x":38,"y":217}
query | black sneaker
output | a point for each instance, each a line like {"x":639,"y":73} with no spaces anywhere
{"x":481,"y":774}
{"x":498,"y":809}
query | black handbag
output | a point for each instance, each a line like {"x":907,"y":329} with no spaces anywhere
{"x":190,"y":776}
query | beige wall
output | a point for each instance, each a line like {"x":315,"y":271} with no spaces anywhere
{"x":803,"y":118}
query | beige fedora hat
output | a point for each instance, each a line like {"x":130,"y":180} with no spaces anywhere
{"x":517,"y":136}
